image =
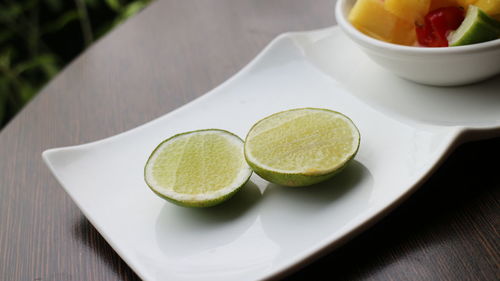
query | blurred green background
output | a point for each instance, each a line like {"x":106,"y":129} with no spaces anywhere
{"x":39,"y":37}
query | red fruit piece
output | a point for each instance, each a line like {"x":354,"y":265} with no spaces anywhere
{"x":437,"y":24}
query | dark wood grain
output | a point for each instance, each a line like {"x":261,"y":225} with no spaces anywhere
{"x":169,"y":54}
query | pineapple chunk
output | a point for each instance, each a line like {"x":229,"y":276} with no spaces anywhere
{"x":436,"y":4}
{"x":371,"y":18}
{"x":408,"y":10}
{"x":491,"y":7}
{"x":404,"y":33}
{"x":466,"y":3}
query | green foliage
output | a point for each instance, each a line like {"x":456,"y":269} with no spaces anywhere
{"x":34,"y":36}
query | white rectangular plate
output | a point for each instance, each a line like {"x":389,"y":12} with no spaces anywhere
{"x":267,"y":230}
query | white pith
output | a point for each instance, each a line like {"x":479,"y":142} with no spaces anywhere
{"x":470,"y":18}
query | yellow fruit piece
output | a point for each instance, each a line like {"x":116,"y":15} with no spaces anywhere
{"x":371,"y":18}
{"x":408,"y":10}
{"x":466,"y":3}
{"x":491,"y":7}
{"x":404,"y":34}
{"x":436,"y":4}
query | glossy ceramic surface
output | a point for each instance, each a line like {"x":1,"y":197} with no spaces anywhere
{"x":450,"y":66}
{"x":268,"y":230}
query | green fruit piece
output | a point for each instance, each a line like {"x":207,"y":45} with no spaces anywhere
{"x":477,"y":27}
{"x":198,"y":169}
{"x":302,"y":146}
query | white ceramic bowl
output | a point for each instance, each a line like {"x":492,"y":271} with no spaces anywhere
{"x":451,"y":66}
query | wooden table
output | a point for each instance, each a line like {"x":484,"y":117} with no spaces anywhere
{"x":169,"y":54}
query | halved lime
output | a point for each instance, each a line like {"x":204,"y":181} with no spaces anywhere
{"x":198,"y":169}
{"x":302,"y":146}
{"x":477,"y":27}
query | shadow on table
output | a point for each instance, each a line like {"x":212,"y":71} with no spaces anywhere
{"x":85,"y":232}
{"x":452,"y":213}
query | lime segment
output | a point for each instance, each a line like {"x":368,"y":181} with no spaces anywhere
{"x":477,"y":27}
{"x":198,"y":169}
{"x":302,"y":146}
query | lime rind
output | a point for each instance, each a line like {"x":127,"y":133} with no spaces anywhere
{"x":203,"y":199}
{"x":300,"y":177}
{"x":477,"y":27}
{"x":297,"y":179}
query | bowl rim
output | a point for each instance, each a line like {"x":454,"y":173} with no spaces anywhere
{"x":358,"y":35}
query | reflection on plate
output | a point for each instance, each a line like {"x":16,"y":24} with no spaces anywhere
{"x":267,"y":230}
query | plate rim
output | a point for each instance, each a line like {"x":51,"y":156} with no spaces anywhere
{"x":455,"y":134}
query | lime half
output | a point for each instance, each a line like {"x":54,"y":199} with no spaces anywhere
{"x":302,"y":146}
{"x":198,"y":169}
{"x":477,"y":27}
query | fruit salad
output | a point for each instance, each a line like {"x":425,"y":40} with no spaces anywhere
{"x":428,"y":23}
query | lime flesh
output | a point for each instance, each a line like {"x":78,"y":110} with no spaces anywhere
{"x":198,"y":169}
{"x":302,"y":146}
{"x":477,"y":27}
